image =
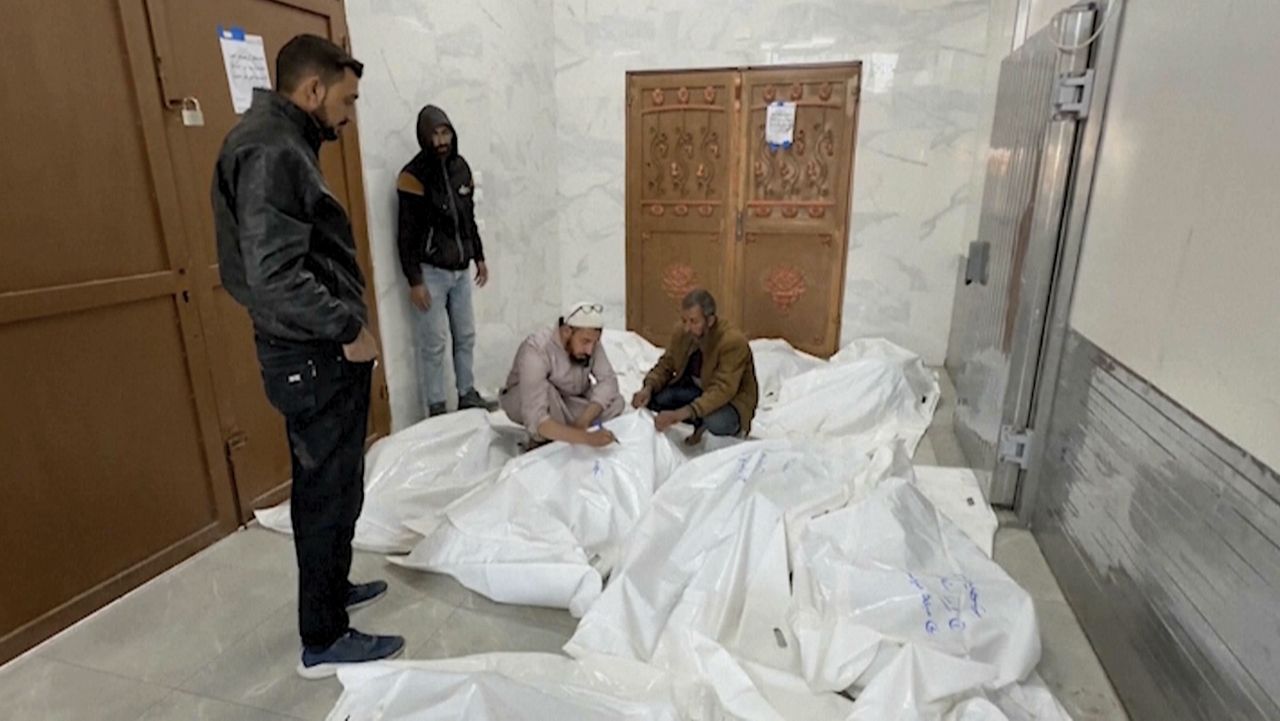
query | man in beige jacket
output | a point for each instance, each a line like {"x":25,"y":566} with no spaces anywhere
{"x":562,"y":386}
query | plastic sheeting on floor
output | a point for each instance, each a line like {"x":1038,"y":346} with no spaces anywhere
{"x":702,"y":618}
{"x":414,"y":474}
{"x":870,"y":393}
{"x":632,"y":357}
{"x":892,"y":570}
{"x":705,"y":591}
{"x":776,"y":361}
{"x":957,"y":495}
{"x":548,"y":530}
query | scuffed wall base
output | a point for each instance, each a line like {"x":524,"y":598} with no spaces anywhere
{"x":1165,"y":538}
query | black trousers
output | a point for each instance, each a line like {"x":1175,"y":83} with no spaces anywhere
{"x":325,"y":402}
{"x":721,"y":422}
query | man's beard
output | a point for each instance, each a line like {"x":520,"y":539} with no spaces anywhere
{"x":327,"y":132}
{"x":581,"y":360}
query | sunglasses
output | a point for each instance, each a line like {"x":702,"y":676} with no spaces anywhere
{"x":588,"y":308}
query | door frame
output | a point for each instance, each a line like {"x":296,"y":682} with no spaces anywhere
{"x":733,"y":237}
{"x":1044,"y":391}
{"x":1037,"y":282}
{"x":204,"y":270}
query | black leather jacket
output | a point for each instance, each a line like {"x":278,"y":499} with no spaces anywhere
{"x":285,"y":244}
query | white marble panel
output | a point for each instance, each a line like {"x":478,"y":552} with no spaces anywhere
{"x":537,"y":92}
{"x":490,"y":65}
{"x":925,"y":61}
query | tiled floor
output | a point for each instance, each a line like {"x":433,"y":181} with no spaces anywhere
{"x":216,"y":639}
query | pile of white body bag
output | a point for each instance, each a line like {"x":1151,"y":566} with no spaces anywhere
{"x":764,"y":581}
{"x":776,"y":578}
{"x":869,"y":394}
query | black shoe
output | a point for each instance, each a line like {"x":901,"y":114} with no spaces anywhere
{"x":436,"y":409}
{"x":472,"y":399}
{"x":353,"y":647}
{"x":363,"y":594}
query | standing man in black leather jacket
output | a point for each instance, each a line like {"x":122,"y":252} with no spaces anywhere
{"x":439,"y":240}
{"x":288,"y":255}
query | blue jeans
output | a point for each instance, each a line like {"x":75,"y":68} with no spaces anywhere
{"x":451,"y":312}
{"x":720,"y":422}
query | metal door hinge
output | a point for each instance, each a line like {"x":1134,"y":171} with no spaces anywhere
{"x":1015,"y":446}
{"x":1073,"y":94}
{"x":975,"y":267}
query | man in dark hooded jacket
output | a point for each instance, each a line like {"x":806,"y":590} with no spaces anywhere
{"x":438,"y":240}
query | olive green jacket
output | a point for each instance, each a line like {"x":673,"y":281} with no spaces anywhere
{"x":728,"y":371}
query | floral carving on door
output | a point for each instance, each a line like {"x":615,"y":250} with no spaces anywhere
{"x":785,"y":285}
{"x":678,"y":280}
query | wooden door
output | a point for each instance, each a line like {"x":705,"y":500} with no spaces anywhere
{"x":681,"y":207}
{"x":711,"y":205}
{"x":252,"y":431}
{"x":791,"y":261}
{"x":112,"y":466}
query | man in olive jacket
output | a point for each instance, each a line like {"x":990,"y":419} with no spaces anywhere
{"x":706,"y":377}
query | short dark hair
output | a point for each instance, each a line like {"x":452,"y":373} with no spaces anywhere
{"x":702,"y":299}
{"x":306,"y":55}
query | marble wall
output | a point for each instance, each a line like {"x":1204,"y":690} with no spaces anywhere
{"x":925,"y":65}
{"x":536,"y":89}
{"x":489,"y":64}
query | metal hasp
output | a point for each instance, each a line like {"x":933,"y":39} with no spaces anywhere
{"x":1073,"y":94}
{"x":1015,"y":446}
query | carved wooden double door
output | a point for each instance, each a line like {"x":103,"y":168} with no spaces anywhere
{"x":713,"y":203}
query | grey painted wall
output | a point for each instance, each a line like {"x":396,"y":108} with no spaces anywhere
{"x":1166,"y":540}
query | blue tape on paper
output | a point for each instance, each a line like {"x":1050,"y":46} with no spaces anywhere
{"x":231,"y":33}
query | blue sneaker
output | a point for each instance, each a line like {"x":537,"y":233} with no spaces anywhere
{"x":355,"y":647}
{"x":363,"y":594}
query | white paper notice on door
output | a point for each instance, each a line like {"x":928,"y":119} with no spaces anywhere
{"x":780,"y":124}
{"x":245,"y":58}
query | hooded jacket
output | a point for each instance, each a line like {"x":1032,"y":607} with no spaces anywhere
{"x":437,"y":224}
{"x":285,"y":247}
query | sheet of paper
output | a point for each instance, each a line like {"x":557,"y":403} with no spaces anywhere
{"x":245,"y":58}
{"x":780,"y":124}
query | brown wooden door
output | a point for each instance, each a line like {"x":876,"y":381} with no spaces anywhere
{"x":186,"y":33}
{"x":791,"y":261}
{"x":112,"y":466}
{"x":680,"y":199}
{"x":711,"y":205}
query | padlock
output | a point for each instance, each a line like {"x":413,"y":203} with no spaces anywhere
{"x":192,"y":115}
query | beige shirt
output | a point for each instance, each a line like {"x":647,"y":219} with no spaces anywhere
{"x":542,"y":365}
